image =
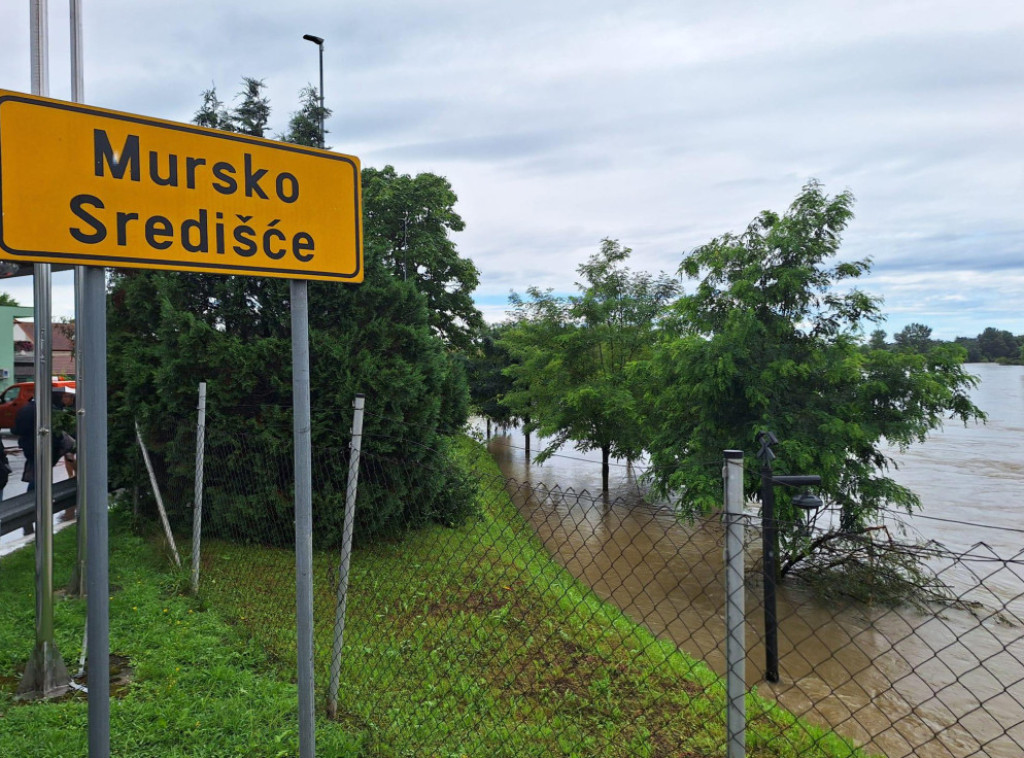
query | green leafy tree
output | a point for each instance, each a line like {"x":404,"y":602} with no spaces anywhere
{"x":970,"y":344}
{"x":410,"y":220}
{"x":770,"y":341}
{"x":997,"y":344}
{"x":572,"y":379}
{"x":914,"y":337}
{"x":877,"y":341}
{"x":9,"y":300}
{"x":407,"y":224}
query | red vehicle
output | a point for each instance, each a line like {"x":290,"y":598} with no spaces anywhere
{"x":17,"y":395}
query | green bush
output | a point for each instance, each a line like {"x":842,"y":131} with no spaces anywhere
{"x":171,"y":331}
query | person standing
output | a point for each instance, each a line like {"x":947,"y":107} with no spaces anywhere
{"x":64,"y":421}
{"x":5,"y":469}
{"x":25,"y":430}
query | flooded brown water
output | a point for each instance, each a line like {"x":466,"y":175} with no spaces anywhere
{"x":948,"y":684}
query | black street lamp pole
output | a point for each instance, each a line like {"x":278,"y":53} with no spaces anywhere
{"x":319,"y":42}
{"x":769,"y":542}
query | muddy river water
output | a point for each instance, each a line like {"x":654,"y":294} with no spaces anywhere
{"x":945,"y":684}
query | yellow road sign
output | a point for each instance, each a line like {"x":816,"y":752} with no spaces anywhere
{"x":95,"y":187}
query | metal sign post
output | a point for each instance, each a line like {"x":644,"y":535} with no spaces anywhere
{"x":45,"y":675}
{"x":303,"y":514}
{"x":92,"y":187}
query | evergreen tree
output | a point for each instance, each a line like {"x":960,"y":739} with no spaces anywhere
{"x":212,"y":114}
{"x":916,"y":338}
{"x":877,"y":341}
{"x":171,"y":330}
{"x":486,"y":362}
{"x":304,"y":126}
{"x":252,"y":114}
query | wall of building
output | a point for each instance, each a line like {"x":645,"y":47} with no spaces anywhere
{"x":7,"y":315}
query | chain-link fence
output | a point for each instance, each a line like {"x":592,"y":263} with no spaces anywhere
{"x":541,"y":620}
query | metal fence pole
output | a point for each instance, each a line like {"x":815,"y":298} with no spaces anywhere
{"x":355,"y":448}
{"x":735,"y":611}
{"x":303,"y":515}
{"x":159,"y":500}
{"x":197,"y":514}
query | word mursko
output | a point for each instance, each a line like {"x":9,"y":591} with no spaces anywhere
{"x":198,"y":233}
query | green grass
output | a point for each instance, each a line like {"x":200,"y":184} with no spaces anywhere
{"x":199,"y":687}
{"x":459,"y":642}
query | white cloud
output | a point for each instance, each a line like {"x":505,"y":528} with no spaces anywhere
{"x":655,"y":122}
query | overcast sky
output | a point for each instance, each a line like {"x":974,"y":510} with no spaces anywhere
{"x":659,"y":123}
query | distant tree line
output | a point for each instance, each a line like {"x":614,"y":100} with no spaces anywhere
{"x":991,"y":346}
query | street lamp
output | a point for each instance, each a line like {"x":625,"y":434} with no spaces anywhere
{"x":319,"y":42}
{"x":804,"y":501}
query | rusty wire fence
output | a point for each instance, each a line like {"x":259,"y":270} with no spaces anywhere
{"x":545,"y":620}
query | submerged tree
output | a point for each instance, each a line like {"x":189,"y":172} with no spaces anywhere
{"x":573,"y":355}
{"x":770,"y":340}
{"x":486,"y":362}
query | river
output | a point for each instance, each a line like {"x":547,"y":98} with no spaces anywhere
{"x":948,"y":684}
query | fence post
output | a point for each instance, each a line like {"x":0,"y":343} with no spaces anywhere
{"x":197,"y":515}
{"x":159,"y":500}
{"x":346,"y":553}
{"x":735,"y":612}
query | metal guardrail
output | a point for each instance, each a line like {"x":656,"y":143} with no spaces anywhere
{"x":20,"y":511}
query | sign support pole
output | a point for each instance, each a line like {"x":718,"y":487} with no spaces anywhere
{"x":303,"y":514}
{"x":77,"y":584}
{"x":45,"y":675}
{"x":94,"y":404}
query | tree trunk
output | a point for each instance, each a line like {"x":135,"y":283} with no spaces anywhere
{"x":605,"y":456}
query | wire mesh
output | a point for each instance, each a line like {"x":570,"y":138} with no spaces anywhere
{"x":555,"y":621}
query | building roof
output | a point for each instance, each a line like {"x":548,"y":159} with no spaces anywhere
{"x":60,"y":342}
